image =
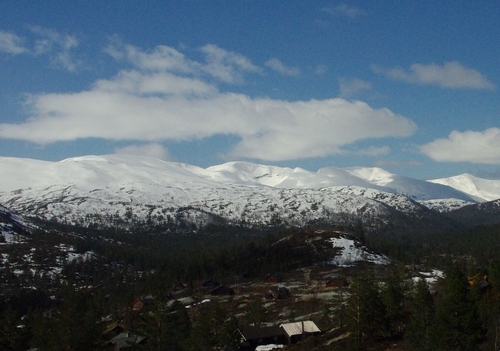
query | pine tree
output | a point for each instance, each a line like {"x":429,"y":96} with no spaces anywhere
{"x":14,"y":334}
{"x":166,"y":328}
{"x":489,"y":306}
{"x":365,"y":312}
{"x":419,"y":329}
{"x":393,"y":297}
{"x":256,"y":312}
{"x":457,"y":324}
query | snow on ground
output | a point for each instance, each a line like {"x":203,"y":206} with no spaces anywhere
{"x":350,"y":253}
{"x":268,"y":347}
{"x":10,"y":237}
{"x":430,"y":277}
{"x":80,"y":257}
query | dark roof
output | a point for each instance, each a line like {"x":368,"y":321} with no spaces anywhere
{"x":124,"y":340}
{"x":252,"y":333}
{"x":222,"y":290}
{"x":113,"y":326}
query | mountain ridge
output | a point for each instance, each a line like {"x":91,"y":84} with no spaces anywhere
{"x":91,"y":190}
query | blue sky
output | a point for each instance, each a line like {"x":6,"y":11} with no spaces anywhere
{"x":412,"y":87}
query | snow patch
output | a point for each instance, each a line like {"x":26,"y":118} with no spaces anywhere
{"x":351,"y":253}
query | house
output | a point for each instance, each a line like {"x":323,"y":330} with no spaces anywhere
{"x":274,"y":278}
{"x":299,"y":330}
{"x":337,"y":283}
{"x":211,"y":283}
{"x":126,"y":341}
{"x":252,"y":336}
{"x":222,"y":290}
{"x":139,"y":304}
{"x":112,"y":330}
{"x":481,"y":282}
{"x":178,"y":287}
{"x":276,"y":292}
{"x":148,"y":300}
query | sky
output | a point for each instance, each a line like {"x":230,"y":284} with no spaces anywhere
{"x":408,"y":86}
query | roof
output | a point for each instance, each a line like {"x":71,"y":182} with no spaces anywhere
{"x":296,"y":328}
{"x":251,"y":332}
{"x":112,"y":326}
{"x":223,"y":290}
{"x":126,"y":339}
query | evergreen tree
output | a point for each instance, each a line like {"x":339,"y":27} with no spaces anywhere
{"x":74,"y":325}
{"x":393,"y":297}
{"x":365,"y":312}
{"x":419,"y":329}
{"x":457,"y":324}
{"x":166,"y":328}
{"x":489,"y":306}
{"x":214,"y":329}
{"x":14,"y":333}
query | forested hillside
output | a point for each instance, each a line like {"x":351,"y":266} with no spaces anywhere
{"x":66,"y":287}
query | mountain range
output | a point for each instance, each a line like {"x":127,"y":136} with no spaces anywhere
{"x":119,"y":190}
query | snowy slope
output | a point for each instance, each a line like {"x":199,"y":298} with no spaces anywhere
{"x":481,"y":189}
{"x":416,"y":189}
{"x":351,"y":251}
{"x":12,"y":227}
{"x":113,"y":188}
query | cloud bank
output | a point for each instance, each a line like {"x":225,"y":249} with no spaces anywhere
{"x":451,"y":75}
{"x":469,"y":146}
{"x":165,"y":96}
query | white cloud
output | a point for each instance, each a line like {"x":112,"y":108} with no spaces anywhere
{"x":451,"y":75}
{"x":396,"y":163}
{"x":349,"y":87}
{"x":374,"y":151}
{"x":57,"y":46}
{"x":11,"y":43}
{"x":152,"y":106}
{"x":345,"y":10}
{"x":152,"y":150}
{"x":278,"y":66}
{"x":154,"y":83}
{"x":320,"y":69}
{"x":223,"y":65}
{"x":226,"y":65}
{"x":162,"y":58}
{"x":468,"y":146}
{"x":48,"y":42}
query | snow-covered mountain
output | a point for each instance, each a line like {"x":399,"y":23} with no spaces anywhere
{"x":115,"y":189}
{"x":478,"y":188}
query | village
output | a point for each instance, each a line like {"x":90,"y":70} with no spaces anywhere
{"x":300,"y":310}
{"x":292,"y":308}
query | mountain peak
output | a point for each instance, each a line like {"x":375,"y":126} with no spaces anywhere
{"x":479,"y":188}
{"x":374,"y":175}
